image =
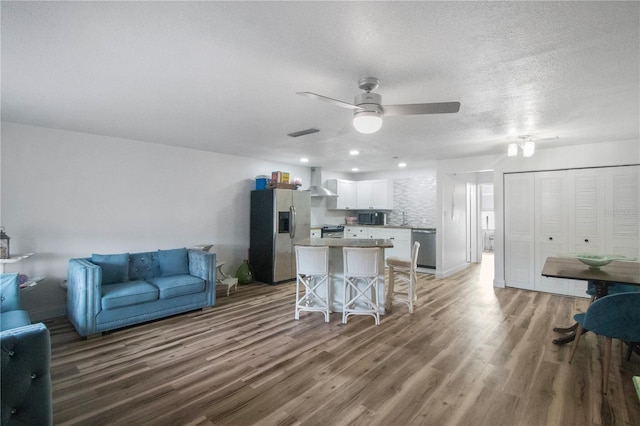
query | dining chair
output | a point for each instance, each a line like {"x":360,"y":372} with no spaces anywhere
{"x":615,"y":316}
{"x":403,"y":271}
{"x":313,"y":291}
{"x":615,"y":288}
{"x":360,"y":283}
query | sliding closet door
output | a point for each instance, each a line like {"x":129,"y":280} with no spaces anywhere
{"x":621,"y":209}
{"x":550,"y":227}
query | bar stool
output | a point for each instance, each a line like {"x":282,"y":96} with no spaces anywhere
{"x":360,"y":282}
{"x":403,"y":270}
{"x":313,"y":292}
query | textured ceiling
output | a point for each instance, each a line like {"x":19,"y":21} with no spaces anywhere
{"x":223,"y":76}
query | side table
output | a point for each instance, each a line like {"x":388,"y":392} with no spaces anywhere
{"x":224,"y":279}
{"x":13,"y":259}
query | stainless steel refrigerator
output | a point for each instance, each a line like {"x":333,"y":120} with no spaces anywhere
{"x":279,"y":219}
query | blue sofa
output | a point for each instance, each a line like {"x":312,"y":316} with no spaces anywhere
{"x":26,"y":358}
{"x":107,"y":292}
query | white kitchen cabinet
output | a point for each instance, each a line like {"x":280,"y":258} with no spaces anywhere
{"x":401,"y":239}
{"x":374,"y":194}
{"x":548,"y":214}
{"x":346,"y":190}
{"x":359,"y":232}
{"x":361,"y":195}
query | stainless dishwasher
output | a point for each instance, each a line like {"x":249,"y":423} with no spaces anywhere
{"x":427,"y":252}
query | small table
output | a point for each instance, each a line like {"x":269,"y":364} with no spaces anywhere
{"x":615,"y":272}
{"x":13,"y":259}
{"x":224,"y":279}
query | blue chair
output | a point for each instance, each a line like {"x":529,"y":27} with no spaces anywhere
{"x":614,"y":288}
{"x":616,"y":316}
{"x":25,"y":379}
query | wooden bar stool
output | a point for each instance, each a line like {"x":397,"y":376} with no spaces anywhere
{"x":313,"y":292}
{"x":360,"y":282}
{"x":404,"y":271}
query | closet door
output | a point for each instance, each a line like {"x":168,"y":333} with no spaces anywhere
{"x":519,"y":230}
{"x":586,"y":218}
{"x":550,"y":227}
{"x":621,"y":210}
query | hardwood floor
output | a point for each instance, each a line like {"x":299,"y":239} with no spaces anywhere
{"x":469,"y":355}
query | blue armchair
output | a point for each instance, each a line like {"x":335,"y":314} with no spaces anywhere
{"x":26,"y":357}
{"x":616,"y":316}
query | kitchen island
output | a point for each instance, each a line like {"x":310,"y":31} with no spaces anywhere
{"x":336,"y":275}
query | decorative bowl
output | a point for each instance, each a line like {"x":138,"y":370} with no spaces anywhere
{"x":594,"y":261}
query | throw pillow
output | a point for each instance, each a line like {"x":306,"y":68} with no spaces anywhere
{"x":173,"y":262}
{"x":115,"y":267}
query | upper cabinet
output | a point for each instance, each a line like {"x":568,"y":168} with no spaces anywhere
{"x":346,"y":190}
{"x":361,"y":195}
{"x":374,"y":194}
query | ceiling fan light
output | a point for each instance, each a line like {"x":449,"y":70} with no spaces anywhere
{"x":528,"y":148}
{"x":512,"y":150}
{"x":367,"y":122}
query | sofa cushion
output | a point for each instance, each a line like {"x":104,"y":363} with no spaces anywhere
{"x":14,"y":319}
{"x":115,"y":267}
{"x":173,"y":262}
{"x":143,"y":266}
{"x":128,"y":293}
{"x":178,"y":285}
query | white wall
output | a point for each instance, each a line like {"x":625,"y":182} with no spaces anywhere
{"x":67,"y":194}
{"x":589,"y":155}
{"x":319,"y":213}
{"x":451,"y":237}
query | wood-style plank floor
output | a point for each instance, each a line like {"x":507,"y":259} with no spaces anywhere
{"x":469,"y":355}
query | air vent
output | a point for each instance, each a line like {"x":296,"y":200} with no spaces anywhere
{"x":303,"y":132}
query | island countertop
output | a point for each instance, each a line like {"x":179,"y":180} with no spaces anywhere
{"x":346,"y":242}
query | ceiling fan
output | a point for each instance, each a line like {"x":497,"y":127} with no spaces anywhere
{"x":368,"y":108}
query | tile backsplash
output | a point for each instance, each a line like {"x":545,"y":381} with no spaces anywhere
{"x":417,"y":198}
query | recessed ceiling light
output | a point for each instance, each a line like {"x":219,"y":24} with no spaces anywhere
{"x":402,"y":164}
{"x":304,"y":160}
{"x":355,"y":169}
{"x":354,"y":152}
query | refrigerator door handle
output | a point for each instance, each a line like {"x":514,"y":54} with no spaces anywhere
{"x":292,"y":226}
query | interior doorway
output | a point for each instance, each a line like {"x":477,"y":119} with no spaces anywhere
{"x":481,"y":224}
{"x":487,"y":217}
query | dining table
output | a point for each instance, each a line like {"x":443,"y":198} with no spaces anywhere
{"x":616,"y":272}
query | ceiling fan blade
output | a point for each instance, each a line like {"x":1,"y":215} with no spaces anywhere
{"x":411,"y":109}
{"x":330,"y":100}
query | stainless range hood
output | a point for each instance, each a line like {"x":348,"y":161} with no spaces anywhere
{"x":316,"y":189}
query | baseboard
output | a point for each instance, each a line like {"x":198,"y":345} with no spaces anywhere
{"x":451,"y":271}
{"x":38,"y":315}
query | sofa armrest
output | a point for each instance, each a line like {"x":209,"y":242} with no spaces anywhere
{"x":9,"y":292}
{"x":84,"y":292}
{"x":26,"y":377}
{"x":202,"y":264}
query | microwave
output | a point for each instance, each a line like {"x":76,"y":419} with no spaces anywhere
{"x":371,"y":218}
